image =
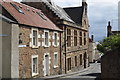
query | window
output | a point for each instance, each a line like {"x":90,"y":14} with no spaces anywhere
{"x":84,"y":38}
{"x":80,"y":59}
{"x":75,"y":37}
{"x":68,"y":37}
{"x":69,"y":63}
{"x":85,"y":22}
{"x":17,"y":8}
{"x":34,"y":65}
{"x":55,"y":38}
{"x":75,"y":60}
{"x":34,"y":37}
{"x":41,"y":15}
{"x":80,"y":38}
{"x":46,"y":38}
{"x":55,"y":59}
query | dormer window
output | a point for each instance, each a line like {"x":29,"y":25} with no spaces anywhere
{"x":17,"y":8}
{"x":28,"y":9}
{"x":20,"y":6}
{"x":33,"y":11}
{"x":41,"y":15}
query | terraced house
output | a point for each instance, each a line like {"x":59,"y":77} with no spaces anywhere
{"x":30,"y":42}
{"x":74,"y":23}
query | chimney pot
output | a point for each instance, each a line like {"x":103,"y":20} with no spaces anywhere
{"x":83,"y":0}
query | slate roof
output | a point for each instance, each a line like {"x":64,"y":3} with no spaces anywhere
{"x":90,"y":40}
{"x":60,"y":12}
{"x":115,"y":32}
{"x":27,"y":15}
{"x":75,"y":13}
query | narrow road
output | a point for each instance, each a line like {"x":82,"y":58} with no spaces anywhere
{"x":92,"y":73}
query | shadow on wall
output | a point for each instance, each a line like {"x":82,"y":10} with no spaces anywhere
{"x":110,"y":65}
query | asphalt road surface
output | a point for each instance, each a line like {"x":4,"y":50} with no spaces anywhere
{"x":93,"y":73}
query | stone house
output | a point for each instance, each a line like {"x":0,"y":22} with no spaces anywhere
{"x":74,"y":22}
{"x":94,"y":54}
{"x":30,"y":42}
{"x":92,"y":50}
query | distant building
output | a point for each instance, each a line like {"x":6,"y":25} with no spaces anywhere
{"x":75,"y":38}
{"x":92,"y":50}
{"x":94,"y":54}
{"x":109,"y":30}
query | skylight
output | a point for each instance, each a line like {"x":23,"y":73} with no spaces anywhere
{"x":19,"y":10}
{"x":41,"y":15}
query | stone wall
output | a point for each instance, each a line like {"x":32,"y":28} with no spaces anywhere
{"x":110,"y":65}
{"x":25,"y":54}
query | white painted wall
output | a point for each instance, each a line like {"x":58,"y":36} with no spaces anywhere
{"x":15,"y":52}
{"x":92,"y":51}
{"x":0,"y":49}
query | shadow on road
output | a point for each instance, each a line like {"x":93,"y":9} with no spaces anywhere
{"x":97,"y":75}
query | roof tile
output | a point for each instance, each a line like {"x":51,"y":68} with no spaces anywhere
{"x":29,"y":17}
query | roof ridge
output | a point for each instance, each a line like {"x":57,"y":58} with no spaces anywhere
{"x":29,"y":6}
{"x":74,"y":7}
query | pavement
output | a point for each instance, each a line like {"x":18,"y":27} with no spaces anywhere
{"x":91,"y":72}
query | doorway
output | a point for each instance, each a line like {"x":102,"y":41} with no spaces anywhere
{"x":85,"y":56}
{"x":46,"y":65}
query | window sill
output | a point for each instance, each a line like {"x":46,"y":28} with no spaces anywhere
{"x":35,"y":47}
{"x":55,"y":46}
{"x":55,"y":66}
{"x":69,"y":71}
{"x":46,"y":46}
{"x":34,"y":74}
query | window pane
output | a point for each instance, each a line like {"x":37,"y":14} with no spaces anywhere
{"x":80,"y":33}
{"x":84,"y":38}
{"x":75,"y":41}
{"x":75,"y":38}
{"x":80,"y":41}
{"x":75,"y":60}
{"x":46,"y":38}
{"x":55,"y":37}
{"x":68,"y":41}
{"x":68,"y":37}
{"x":34,"y":65}
{"x":69,"y":63}
{"x":81,"y":59}
{"x":55,"y":59}
{"x":34,"y":37}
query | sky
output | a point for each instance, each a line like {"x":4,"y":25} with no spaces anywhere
{"x":99,"y":13}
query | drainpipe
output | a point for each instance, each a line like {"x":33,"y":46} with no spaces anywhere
{"x":60,"y":54}
{"x":65,"y":49}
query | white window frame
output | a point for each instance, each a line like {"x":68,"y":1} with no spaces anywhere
{"x":55,"y":45}
{"x":48,"y":38}
{"x":35,"y":46}
{"x":34,"y":56}
{"x":55,"y":65}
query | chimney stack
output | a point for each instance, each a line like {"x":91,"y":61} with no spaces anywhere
{"x":92,"y":38}
{"x":109,"y":28}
